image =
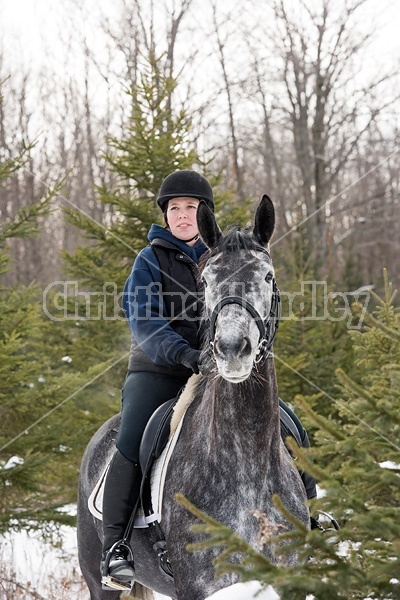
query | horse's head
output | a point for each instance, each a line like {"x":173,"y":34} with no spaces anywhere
{"x":241,"y":297}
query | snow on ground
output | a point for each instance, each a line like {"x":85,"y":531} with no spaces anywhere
{"x":245,"y":591}
{"x":52,"y":573}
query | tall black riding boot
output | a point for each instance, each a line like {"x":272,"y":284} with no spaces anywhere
{"x":121,"y":492}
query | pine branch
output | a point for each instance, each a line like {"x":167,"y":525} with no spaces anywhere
{"x":355,"y":388}
{"x":297,"y":524}
{"x":322,"y":423}
{"x":25,"y":220}
{"x":304,"y":462}
{"x":12,"y":165}
{"x":393,"y":333}
{"x":220,"y":535}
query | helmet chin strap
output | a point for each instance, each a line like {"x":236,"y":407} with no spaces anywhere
{"x":195,"y":237}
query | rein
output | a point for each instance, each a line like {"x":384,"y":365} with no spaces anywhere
{"x":267,"y":328}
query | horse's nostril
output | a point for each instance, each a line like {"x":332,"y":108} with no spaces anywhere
{"x":232,"y":348}
{"x":246,"y":347}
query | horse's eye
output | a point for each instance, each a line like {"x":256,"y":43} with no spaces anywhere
{"x":204,"y":282}
{"x":269,"y":277}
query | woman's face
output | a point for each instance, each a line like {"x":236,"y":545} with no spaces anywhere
{"x":181,"y":217}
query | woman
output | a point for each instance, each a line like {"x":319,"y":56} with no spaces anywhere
{"x":160,"y":302}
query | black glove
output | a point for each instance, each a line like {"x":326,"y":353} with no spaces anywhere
{"x":190,"y":358}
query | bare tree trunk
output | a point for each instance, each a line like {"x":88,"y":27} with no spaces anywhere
{"x":272,"y":164}
{"x":237,"y":172}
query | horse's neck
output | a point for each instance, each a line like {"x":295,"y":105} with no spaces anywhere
{"x":243,"y":418}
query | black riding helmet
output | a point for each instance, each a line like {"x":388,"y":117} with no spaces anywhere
{"x":185,"y":184}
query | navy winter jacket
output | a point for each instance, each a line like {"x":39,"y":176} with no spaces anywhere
{"x":144,"y":307}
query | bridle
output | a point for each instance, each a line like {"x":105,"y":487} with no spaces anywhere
{"x":266,"y":327}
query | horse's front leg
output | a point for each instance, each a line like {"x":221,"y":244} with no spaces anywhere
{"x":194,"y":572}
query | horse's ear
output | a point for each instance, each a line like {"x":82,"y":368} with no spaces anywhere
{"x":264,"y":222}
{"x":208,"y":228}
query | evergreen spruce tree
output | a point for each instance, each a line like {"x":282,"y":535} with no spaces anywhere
{"x":312,"y":339}
{"x":33,"y":383}
{"x":360,"y":447}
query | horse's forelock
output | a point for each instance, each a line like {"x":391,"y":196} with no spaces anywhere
{"x":236,"y":239}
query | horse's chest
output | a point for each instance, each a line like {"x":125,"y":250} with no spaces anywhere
{"x":229,"y":490}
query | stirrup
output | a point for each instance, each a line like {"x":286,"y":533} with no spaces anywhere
{"x":332,"y":520}
{"x":110,"y":582}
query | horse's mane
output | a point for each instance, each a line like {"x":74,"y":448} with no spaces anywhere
{"x":185,"y":399}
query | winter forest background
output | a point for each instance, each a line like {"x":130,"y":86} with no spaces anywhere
{"x":99,"y":101}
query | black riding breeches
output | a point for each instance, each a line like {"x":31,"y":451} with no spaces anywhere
{"x":143,"y":392}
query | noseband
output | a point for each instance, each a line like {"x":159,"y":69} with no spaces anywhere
{"x":267,"y":327}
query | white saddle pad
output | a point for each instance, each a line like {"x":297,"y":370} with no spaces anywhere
{"x":157,"y":481}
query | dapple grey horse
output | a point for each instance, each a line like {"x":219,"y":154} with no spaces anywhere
{"x":229,"y":459}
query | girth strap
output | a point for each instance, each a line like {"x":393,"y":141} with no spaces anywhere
{"x":288,"y":426}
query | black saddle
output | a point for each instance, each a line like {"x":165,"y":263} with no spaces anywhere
{"x":156,"y":434}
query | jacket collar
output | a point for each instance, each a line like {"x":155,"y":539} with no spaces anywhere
{"x":161,"y":233}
